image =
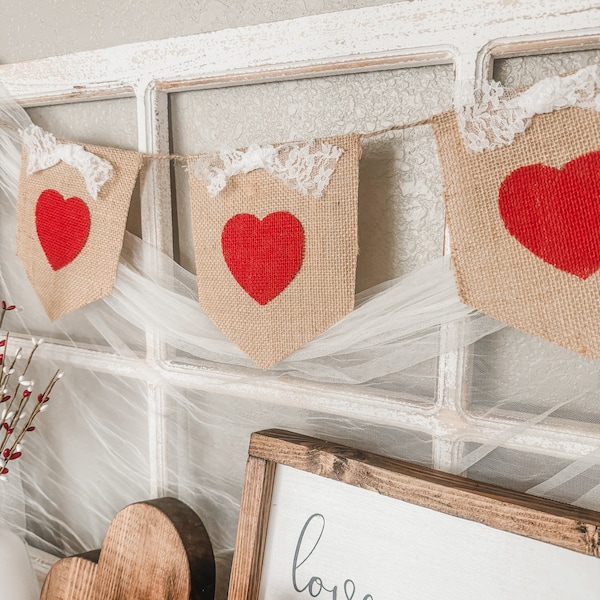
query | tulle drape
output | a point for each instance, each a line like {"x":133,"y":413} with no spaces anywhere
{"x":98,"y":448}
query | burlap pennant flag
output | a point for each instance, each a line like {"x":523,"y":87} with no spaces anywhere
{"x":68,"y":241}
{"x":524,"y":223}
{"x":276,"y":242}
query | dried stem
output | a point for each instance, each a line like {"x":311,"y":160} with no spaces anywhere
{"x":19,"y":407}
{"x":41,"y":400}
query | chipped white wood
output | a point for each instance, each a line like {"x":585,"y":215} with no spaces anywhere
{"x":418,"y":32}
{"x":570,"y":441}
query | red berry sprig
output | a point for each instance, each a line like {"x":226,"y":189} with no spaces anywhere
{"x":18,"y":405}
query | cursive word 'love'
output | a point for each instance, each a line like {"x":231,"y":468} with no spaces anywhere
{"x":315,"y":526}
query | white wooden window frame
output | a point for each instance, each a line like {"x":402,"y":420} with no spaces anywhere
{"x":465,"y":33}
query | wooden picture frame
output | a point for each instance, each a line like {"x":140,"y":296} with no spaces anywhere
{"x":562,"y":528}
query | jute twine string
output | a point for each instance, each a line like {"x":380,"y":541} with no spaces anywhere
{"x":188,"y":158}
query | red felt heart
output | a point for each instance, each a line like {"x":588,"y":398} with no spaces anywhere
{"x":555,"y":213}
{"x":263,"y":256}
{"x":62,"y":227}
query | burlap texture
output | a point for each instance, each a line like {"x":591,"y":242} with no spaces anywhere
{"x":495,"y":273}
{"x":322,"y":291}
{"x":91,"y":275}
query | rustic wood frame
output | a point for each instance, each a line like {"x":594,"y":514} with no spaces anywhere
{"x":544,"y":520}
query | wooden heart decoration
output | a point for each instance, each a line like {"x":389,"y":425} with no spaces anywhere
{"x":153,"y":550}
{"x":263,"y":256}
{"x":62,"y":227}
{"x":555,"y":213}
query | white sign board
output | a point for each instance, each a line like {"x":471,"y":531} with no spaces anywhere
{"x":334,"y":541}
{"x":321,"y":520}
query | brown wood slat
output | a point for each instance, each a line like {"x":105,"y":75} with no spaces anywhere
{"x":252,"y":529}
{"x":545,"y":520}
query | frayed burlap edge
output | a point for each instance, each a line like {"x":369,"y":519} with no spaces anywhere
{"x":91,"y":275}
{"x":494,"y":272}
{"x":320,"y":294}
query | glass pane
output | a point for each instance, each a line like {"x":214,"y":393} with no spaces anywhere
{"x":87,"y":458}
{"x":401,"y":216}
{"x":526,"y":70}
{"x":559,"y":479}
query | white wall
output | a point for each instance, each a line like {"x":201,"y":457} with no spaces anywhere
{"x":37,"y":28}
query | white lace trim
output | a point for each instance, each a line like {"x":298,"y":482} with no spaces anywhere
{"x":495,"y":118}
{"x":44,"y":151}
{"x":305,"y":166}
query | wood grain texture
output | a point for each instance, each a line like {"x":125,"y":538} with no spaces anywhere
{"x":153,"y":550}
{"x":252,"y":529}
{"x":559,"y":524}
{"x":70,"y":578}
{"x":544,"y":520}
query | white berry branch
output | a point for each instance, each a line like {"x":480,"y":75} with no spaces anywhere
{"x":21,"y":406}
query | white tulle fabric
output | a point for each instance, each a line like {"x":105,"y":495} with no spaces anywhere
{"x":44,"y":151}
{"x":305,"y":167}
{"x":496,"y":117}
{"x":95,"y":449}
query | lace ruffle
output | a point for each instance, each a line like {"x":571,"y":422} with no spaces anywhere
{"x":305,"y":167}
{"x":496,"y":117}
{"x":44,"y":151}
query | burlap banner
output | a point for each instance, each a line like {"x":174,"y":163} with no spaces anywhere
{"x":69,"y":242}
{"x":275,"y":227}
{"x":275,"y":265}
{"x":525,"y":225}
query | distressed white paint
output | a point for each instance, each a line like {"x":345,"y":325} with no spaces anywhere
{"x":464,"y":32}
{"x":380,"y":548}
{"x":422,"y":31}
